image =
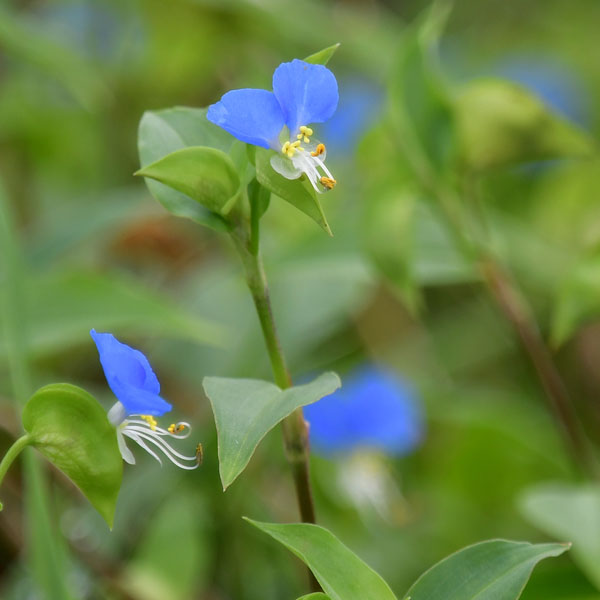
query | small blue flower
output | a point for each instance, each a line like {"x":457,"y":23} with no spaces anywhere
{"x":302,"y":94}
{"x":374,"y":409}
{"x":133,"y":382}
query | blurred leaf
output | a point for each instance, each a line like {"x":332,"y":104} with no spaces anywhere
{"x":65,"y":306}
{"x":30,"y":41}
{"x":165,"y":131}
{"x":205,"y":174}
{"x":315,"y":596}
{"x":419,"y":102}
{"x":493,"y":570}
{"x":389,"y":235}
{"x":154,"y":574}
{"x":71,"y":429}
{"x":342,"y":575}
{"x":578,"y":298}
{"x":322,"y":57}
{"x":295,"y":191}
{"x":259,"y":197}
{"x":501,"y":123}
{"x":247,"y":409}
{"x":568,"y":512}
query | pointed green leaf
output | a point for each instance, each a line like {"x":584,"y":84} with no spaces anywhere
{"x":492,"y":570}
{"x":205,"y":174}
{"x":297,"y":192}
{"x":569,"y":512}
{"x":165,"y":131}
{"x":501,"y":123}
{"x":247,"y":409}
{"x":342,"y":575}
{"x":322,"y":57}
{"x":71,"y":429}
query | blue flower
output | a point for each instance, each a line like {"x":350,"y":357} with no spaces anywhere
{"x":133,"y":382}
{"x":374,"y":409}
{"x":302,"y":94}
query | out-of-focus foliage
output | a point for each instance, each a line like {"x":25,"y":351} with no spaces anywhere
{"x":392,"y":286}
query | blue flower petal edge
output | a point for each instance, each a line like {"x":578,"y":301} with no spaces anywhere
{"x":130,"y":376}
{"x":374,"y":409}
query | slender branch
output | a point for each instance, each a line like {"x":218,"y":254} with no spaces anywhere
{"x":518,"y":313}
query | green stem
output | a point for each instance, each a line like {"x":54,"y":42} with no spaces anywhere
{"x":11,"y":454}
{"x":295,"y":431}
{"x":294,"y":427}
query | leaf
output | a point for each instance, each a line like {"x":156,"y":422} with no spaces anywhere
{"x":420,"y":104}
{"x":247,"y":409}
{"x":578,"y":299}
{"x":322,"y":57}
{"x":569,"y":512}
{"x":165,"y":131}
{"x":342,"y":575}
{"x":295,"y":191}
{"x":315,"y":596}
{"x":500,"y":123}
{"x":204,"y":174}
{"x":71,"y":429}
{"x":64,"y":306}
{"x":492,"y":570}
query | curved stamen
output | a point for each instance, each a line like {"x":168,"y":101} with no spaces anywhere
{"x":165,"y":449}
{"x":158,"y":441}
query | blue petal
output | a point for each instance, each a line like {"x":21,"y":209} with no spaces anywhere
{"x":307,"y":93}
{"x":252,"y":116}
{"x":129,"y":376}
{"x":374,"y":409}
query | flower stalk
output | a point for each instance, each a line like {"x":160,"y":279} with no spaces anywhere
{"x":10,"y":456}
{"x":295,"y":430}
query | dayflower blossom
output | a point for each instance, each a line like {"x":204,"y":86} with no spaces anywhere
{"x":303,"y":94}
{"x":133,"y":382}
{"x":375,"y":409}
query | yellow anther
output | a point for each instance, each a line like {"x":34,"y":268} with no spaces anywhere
{"x":151,"y":421}
{"x":299,"y":136}
{"x":328,"y":182}
{"x":306,"y":130}
{"x":318,"y":150}
{"x":199,"y":454}
{"x":175,"y":429}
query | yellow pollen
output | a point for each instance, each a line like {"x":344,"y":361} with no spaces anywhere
{"x":199,"y":454}
{"x":151,"y":421}
{"x":318,"y":150}
{"x":328,"y":182}
{"x":304,"y":130}
{"x":174,"y":429}
{"x":290,"y":148}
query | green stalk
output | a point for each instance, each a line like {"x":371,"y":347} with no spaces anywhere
{"x":44,"y":550}
{"x":10,"y":456}
{"x":294,"y":427}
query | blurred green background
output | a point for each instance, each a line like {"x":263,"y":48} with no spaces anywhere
{"x":75,"y":78}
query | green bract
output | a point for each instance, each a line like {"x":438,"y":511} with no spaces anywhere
{"x":247,"y":409}
{"x":71,"y":429}
{"x":206,"y":175}
{"x":296,"y":192}
{"x":165,"y":131}
{"x":342,"y":575}
{"x":493,"y":570}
